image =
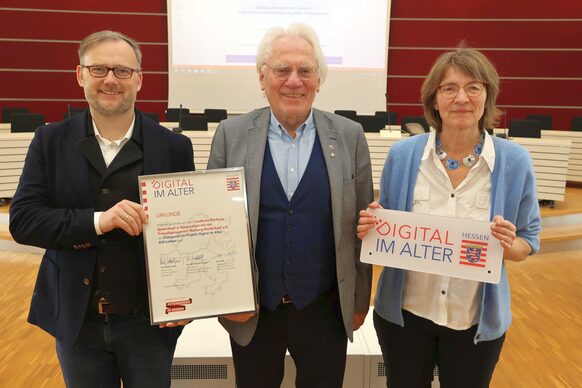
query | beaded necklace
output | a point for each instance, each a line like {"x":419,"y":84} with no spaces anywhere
{"x":469,"y":160}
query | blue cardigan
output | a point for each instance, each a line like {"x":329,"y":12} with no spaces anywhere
{"x":513,"y":195}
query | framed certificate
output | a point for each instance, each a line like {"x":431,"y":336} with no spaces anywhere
{"x":197,"y":244}
{"x":434,"y":244}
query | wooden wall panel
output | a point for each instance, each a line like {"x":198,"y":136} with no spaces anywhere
{"x":417,"y":62}
{"x":486,"y":34}
{"x":500,"y":9}
{"x":155,"y":57}
{"x":67,"y":26}
{"x":150,"y":6}
{"x":543,"y":81}
{"x":540,"y":92}
{"x":64,"y":85}
{"x":39,"y":55}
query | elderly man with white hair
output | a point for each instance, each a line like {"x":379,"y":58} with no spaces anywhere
{"x":307,"y":174}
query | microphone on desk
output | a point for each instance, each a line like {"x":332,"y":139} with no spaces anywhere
{"x":68,"y":110}
{"x":388,"y":113}
{"x":505,"y":123}
{"x":179,"y":128}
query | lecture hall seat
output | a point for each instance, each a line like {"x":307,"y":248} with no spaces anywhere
{"x":7,"y":112}
{"x":215,"y":115}
{"x":26,"y":122}
{"x":545,"y":119}
{"x":525,"y":128}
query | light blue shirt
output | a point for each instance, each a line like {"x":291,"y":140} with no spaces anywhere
{"x":290,"y":155}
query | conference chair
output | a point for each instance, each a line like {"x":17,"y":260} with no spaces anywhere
{"x":7,"y":112}
{"x":545,"y":119}
{"x":576,"y":123}
{"x":73,"y":111}
{"x":371,"y":123}
{"x":525,"y":128}
{"x":350,"y":114}
{"x":173,"y":114}
{"x":389,"y":118}
{"x":26,"y":122}
{"x":194,"y":122}
{"x":415,"y":119}
{"x":215,"y":115}
{"x":152,"y":115}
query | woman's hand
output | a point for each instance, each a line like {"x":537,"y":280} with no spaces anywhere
{"x":504,"y":231}
{"x":367,"y":220}
{"x":514,"y":248}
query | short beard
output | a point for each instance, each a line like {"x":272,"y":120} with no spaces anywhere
{"x":119,"y":110}
{"x":110,"y":112}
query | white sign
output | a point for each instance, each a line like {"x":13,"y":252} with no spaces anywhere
{"x":434,"y":244}
{"x":197,"y":240}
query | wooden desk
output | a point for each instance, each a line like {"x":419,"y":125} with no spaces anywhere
{"x":550,"y":158}
{"x":13,"y":148}
{"x":379,"y":147}
{"x":171,"y":125}
{"x":575,"y":162}
{"x":201,"y":142}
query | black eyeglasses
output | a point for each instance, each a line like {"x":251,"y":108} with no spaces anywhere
{"x":283,"y":72}
{"x":472,"y":89}
{"x":98,"y":71}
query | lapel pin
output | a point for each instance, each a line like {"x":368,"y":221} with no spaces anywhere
{"x":331,"y":150}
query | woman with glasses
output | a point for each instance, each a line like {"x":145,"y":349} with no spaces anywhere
{"x":456,"y":170}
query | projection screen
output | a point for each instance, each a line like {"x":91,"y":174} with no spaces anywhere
{"x":212,"y":47}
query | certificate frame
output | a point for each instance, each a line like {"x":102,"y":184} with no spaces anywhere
{"x":198,"y":246}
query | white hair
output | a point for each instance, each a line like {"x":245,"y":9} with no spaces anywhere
{"x":300,"y":30}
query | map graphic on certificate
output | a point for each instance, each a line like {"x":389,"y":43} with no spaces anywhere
{"x":208,"y":266}
{"x":197,"y":244}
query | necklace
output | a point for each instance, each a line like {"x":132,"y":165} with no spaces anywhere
{"x":469,"y":160}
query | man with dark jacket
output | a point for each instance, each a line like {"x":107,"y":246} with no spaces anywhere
{"x":78,"y":198}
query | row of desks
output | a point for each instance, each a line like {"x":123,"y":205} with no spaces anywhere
{"x":557,"y":157}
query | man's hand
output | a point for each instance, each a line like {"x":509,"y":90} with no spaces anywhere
{"x":240,"y":318}
{"x":126,"y":215}
{"x":359,"y":320}
{"x":174,"y":324}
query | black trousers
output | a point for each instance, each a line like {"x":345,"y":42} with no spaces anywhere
{"x":411,"y":352}
{"x":316,"y":340}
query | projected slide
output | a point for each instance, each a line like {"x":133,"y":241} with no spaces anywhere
{"x":213,"y":45}
{"x":226,"y":33}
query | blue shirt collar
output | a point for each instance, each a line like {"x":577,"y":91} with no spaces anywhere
{"x":276,"y":128}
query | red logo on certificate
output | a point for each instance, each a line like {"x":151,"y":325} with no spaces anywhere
{"x":232,"y":184}
{"x":177,"y":305}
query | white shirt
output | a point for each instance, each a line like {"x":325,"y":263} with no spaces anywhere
{"x":448,"y":301}
{"x":109,"y":150}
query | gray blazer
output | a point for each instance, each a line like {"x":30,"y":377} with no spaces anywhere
{"x":241,"y":141}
